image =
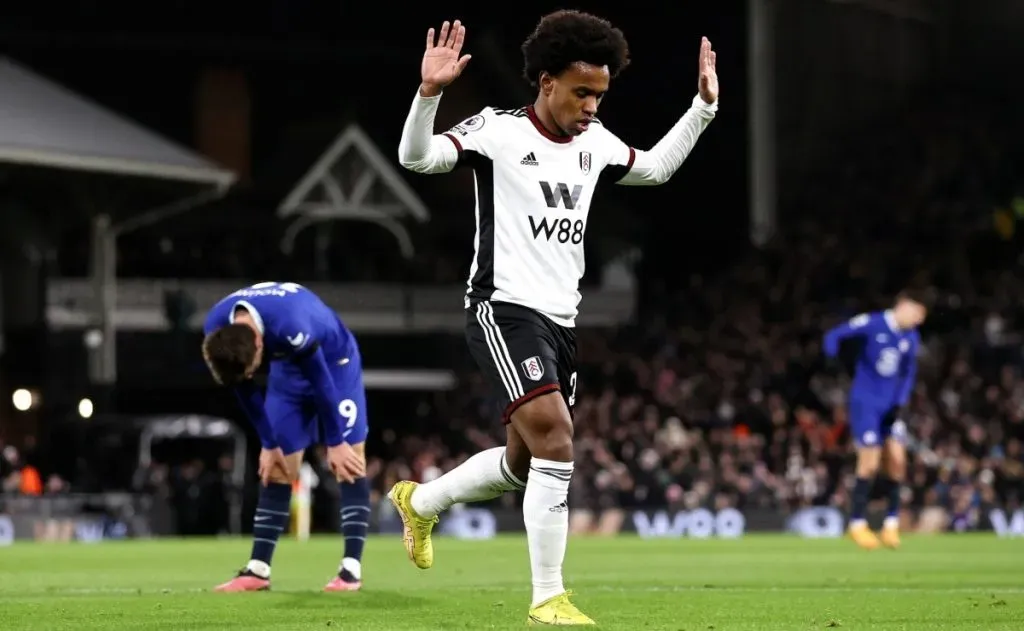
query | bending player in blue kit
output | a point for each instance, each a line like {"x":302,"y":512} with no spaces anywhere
{"x":314,"y":395}
{"x":882,"y":384}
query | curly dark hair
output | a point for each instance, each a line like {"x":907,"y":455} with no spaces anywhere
{"x":566,"y":37}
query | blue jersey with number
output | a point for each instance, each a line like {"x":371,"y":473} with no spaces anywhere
{"x":883,"y":376}
{"x":315,"y":388}
{"x":887,"y":363}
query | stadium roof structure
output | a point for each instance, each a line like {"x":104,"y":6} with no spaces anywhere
{"x":44,"y":124}
{"x":353,"y":181}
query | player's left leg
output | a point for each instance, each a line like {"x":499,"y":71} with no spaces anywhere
{"x":355,"y":523}
{"x":546,"y":426}
{"x":894,"y":472}
{"x":355,"y":496}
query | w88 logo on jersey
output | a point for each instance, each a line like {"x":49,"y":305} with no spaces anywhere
{"x":562,"y":230}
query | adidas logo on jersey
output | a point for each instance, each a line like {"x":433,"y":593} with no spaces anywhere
{"x":530,"y":160}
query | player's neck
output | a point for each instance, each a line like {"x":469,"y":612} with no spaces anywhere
{"x":545,"y":117}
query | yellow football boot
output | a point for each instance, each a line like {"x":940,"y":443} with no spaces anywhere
{"x":891,"y":536}
{"x":558,"y":612}
{"x":416,"y":529}
{"x":863,"y":536}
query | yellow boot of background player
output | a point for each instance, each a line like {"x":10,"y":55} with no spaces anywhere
{"x":862,"y":535}
{"x":891,"y":533}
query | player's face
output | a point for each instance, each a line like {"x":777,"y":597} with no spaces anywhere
{"x":574,"y":96}
{"x":910,"y":314}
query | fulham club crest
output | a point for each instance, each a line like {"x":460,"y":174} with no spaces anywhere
{"x":585,"y":162}
{"x":533,"y":368}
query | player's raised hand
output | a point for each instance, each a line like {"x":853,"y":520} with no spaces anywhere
{"x":271,"y":459}
{"x":346,"y":463}
{"x":707,"y":81}
{"x":441,"y":61}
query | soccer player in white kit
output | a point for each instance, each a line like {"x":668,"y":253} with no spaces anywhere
{"x":536,"y":169}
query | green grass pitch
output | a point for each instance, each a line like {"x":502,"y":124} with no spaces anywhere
{"x":758,"y":583}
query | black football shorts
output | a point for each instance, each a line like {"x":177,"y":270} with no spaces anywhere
{"x":522,"y":353}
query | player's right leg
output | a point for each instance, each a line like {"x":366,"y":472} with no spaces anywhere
{"x":482,"y":477}
{"x":270,"y":520}
{"x":273,"y":508}
{"x":894,"y":472}
{"x":866,"y":429}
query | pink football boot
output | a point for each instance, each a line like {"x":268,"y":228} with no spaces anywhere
{"x":339,"y":584}
{"x":246,"y":581}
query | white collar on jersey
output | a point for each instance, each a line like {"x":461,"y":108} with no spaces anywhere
{"x":255,"y":315}
{"x":890,"y":319}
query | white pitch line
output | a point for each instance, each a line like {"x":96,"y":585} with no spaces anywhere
{"x":126,"y":591}
{"x":824,"y":588}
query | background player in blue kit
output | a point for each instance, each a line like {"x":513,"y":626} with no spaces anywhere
{"x":883,"y":381}
{"x":314,"y":395}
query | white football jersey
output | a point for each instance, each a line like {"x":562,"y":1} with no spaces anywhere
{"x":533,"y":193}
{"x":533,"y":197}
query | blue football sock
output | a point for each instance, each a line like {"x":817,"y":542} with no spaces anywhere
{"x":270,"y":520}
{"x":859,"y":506}
{"x":355,"y":522}
{"x":893,"y":489}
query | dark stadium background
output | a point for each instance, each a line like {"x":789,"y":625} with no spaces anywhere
{"x":299,"y":72}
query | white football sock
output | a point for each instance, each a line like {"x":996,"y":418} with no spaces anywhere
{"x":546,"y":515}
{"x":259,"y":568}
{"x":484,"y":476}
{"x":354,"y":567}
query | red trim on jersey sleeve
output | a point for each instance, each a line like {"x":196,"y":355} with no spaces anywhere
{"x":632,"y":158}
{"x":532,"y":115}
{"x":506,"y":418}
{"x":458,"y":145}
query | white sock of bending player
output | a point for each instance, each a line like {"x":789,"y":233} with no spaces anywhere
{"x":546,"y":515}
{"x":482,"y":477}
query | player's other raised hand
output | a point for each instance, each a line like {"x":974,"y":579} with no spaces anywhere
{"x":441,"y":61}
{"x":707,"y":78}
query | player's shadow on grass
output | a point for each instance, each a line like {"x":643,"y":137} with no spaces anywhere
{"x":377,"y":600}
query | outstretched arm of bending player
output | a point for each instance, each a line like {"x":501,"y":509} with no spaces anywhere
{"x":657,"y":165}
{"x":421,"y":150}
{"x":314,"y":368}
{"x":251,"y":400}
{"x":855,"y":327}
